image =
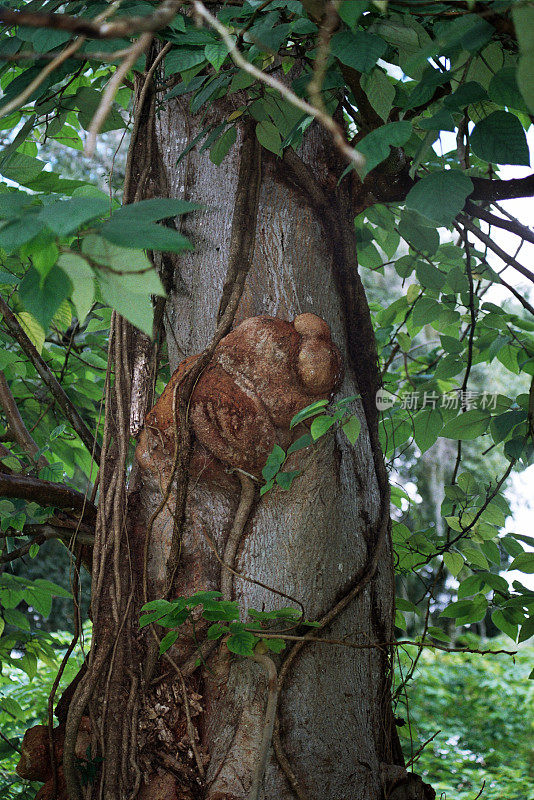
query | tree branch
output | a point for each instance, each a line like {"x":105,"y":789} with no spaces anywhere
{"x":488,"y":241}
{"x":46,"y":493}
{"x":15,"y":423}
{"x":44,"y":533}
{"x":91,"y":28}
{"x":15,"y":329}
{"x":513,"y":226}
{"x":490,"y":191}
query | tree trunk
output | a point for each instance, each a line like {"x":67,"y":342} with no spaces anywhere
{"x":324,"y":542}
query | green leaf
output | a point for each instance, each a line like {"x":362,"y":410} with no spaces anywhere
{"x":417,"y":231}
{"x":375,"y":147}
{"x":428,"y":424}
{"x":13,"y":616}
{"x":300,"y":443}
{"x":352,"y":428}
{"x":83,"y":281}
{"x":309,"y":411}
{"x":351,"y":12}
{"x":523,"y":17}
{"x":285,"y":479}
{"x":380,"y":91}
{"x":43,"y":301}
{"x":215,"y":631}
{"x":274,"y":645}
{"x":523,"y":562}
{"x":241,"y":641}
{"x":32,"y":329}
{"x":320,"y":426}
{"x":275,"y":459}
{"x":454,"y":563}
{"x":502,"y":623}
{"x":130,"y":296}
{"x":223,"y":145}
{"x":66,"y":216}
{"x":129,"y":232}
{"x":153,"y":210}
{"x":437,"y":633}
{"x":440,"y":196}
{"x":469,"y":425}
{"x":216,"y":54}
{"x":269,"y":137}
{"x":503,"y":89}
{"x":168,"y":641}
{"x":500,"y":138}
{"x":359,"y":49}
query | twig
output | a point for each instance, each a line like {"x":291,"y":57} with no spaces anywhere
{"x":513,"y":226}
{"x":488,"y":241}
{"x":43,"y":74}
{"x":15,"y":423}
{"x":420,"y":750}
{"x":15,"y":329}
{"x":246,"y":501}
{"x":93,"y":29}
{"x":111,"y":90}
{"x":322,"y":118}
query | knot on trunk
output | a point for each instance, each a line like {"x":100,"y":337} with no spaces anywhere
{"x":260,"y":376}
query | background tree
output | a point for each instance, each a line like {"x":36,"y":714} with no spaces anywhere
{"x":280,"y":212}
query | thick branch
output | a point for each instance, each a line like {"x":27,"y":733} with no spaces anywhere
{"x":46,"y":493}
{"x":512,"y":225}
{"x":15,"y":329}
{"x":491,"y":191}
{"x":15,"y":423}
{"x":41,"y":534}
{"x":503,"y":255}
{"x":92,"y":29}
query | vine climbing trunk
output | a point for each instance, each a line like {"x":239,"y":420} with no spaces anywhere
{"x":274,"y":237}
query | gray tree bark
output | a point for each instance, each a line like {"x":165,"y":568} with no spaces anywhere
{"x":309,"y":542}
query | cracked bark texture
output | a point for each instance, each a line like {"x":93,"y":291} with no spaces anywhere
{"x":309,"y":542}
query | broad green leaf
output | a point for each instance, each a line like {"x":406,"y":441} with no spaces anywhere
{"x":33,"y":330}
{"x":502,"y":623}
{"x":352,"y":428}
{"x":469,"y":425}
{"x":379,"y":90}
{"x":500,"y":138}
{"x":427,"y":426}
{"x":437,"y":633}
{"x":523,"y":562}
{"x":523,"y":16}
{"x":351,"y":12}
{"x":183,"y":59}
{"x":440,"y":196}
{"x":131,"y":232}
{"x":269,"y":137}
{"x":83,"y":282}
{"x":418,"y":232}
{"x":275,"y":459}
{"x":241,"y":642}
{"x":216,"y":54}
{"x":223,"y":145}
{"x":274,"y":645}
{"x":454,"y":563}
{"x":320,"y":426}
{"x":168,"y":641}
{"x":121,"y":259}
{"x":309,"y":411}
{"x":66,"y":216}
{"x":375,"y":147}
{"x":43,"y":301}
{"x":359,"y":50}
{"x":153,"y":210}
{"x":285,"y":479}
{"x":503,"y":89}
{"x":300,"y":443}
{"x":130,"y":296}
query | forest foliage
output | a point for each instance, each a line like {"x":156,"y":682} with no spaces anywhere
{"x":438,"y":99}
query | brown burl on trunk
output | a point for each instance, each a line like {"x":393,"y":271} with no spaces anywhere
{"x":261,"y":375}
